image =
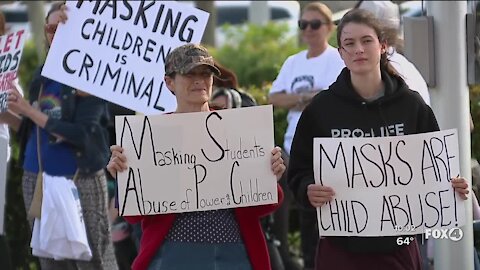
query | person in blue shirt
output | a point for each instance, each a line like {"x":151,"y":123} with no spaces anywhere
{"x":70,"y":128}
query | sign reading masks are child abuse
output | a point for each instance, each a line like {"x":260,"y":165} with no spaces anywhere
{"x":116,"y":50}
{"x":389,"y":185}
{"x":196,"y":161}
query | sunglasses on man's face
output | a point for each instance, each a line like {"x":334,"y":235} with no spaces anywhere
{"x":314,"y":24}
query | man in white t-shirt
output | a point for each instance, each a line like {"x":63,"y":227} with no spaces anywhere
{"x":409,"y":73}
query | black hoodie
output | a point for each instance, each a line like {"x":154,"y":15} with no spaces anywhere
{"x":341,"y":112}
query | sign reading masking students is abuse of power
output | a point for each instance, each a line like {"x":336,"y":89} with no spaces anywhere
{"x":389,"y":185}
{"x":116,"y":50}
{"x":196,"y":161}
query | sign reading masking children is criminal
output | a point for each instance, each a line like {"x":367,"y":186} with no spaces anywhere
{"x":196,"y":161}
{"x":388,"y":185}
{"x":116,"y":49}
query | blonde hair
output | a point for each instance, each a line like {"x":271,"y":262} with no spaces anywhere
{"x":320,"y":8}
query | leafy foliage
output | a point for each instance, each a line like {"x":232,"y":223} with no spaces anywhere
{"x":29,"y":63}
{"x":256,"y":54}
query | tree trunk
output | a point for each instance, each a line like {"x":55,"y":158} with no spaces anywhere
{"x":36,"y":16}
{"x":209,"y":34}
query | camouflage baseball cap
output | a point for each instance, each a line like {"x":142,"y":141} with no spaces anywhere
{"x":186,"y":57}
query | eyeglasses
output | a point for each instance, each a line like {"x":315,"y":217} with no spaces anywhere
{"x":314,"y":24}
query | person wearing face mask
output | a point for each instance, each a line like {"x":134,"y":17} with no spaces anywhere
{"x":301,"y":77}
{"x":367,"y":95}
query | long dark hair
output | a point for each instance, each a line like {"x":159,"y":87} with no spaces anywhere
{"x":227,"y":77}
{"x":361,"y":16}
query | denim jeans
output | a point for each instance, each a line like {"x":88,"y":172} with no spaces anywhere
{"x":200,"y":256}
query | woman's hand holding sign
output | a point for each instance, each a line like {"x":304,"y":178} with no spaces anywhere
{"x":461,"y":186}
{"x":118,"y":161}
{"x":318,"y":195}
{"x":16,"y":103}
{"x":278,"y":168}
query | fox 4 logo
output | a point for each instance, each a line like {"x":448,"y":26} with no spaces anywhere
{"x":454,"y":234}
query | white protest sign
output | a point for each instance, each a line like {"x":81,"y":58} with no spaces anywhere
{"x":11,"y":47}
{"x":388,"y":185}
{"x":3,"y":178}
{"x":116,"y":49}
{"x":196,"y":161}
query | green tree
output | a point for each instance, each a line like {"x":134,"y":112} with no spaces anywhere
{"x":256,"y":54}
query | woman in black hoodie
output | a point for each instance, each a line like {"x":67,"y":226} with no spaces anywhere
{"x":368,"y":96}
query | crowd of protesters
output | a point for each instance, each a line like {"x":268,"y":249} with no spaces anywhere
{"x":66,"y":132}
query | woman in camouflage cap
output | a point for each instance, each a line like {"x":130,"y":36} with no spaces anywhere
{"x":217,"y":239}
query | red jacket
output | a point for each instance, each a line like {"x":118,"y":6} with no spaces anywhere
{"x":156,"y":227}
